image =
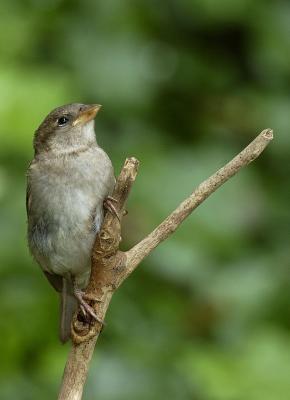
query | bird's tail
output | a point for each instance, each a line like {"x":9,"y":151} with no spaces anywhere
{"x":68,"y":306}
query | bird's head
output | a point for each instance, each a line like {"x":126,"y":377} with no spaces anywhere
{"x":66,"y":128}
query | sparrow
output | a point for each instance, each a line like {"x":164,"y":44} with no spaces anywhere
{"x":68,"y":182}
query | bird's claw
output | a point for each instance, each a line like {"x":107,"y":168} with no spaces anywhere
{"x":108,"y":205}
{"x":86,"y":309}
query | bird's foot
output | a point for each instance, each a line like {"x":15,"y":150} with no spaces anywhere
{"x":86,"y":309}
{"x":109,"y":205}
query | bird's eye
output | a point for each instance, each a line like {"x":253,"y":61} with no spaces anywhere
{"x":62,"y":121}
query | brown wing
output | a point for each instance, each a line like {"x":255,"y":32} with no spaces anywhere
{"x":55,"y":280}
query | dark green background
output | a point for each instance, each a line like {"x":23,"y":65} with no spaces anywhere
{"x":184,"y":85}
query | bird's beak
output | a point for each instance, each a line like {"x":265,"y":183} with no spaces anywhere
{"x":87,"y":114}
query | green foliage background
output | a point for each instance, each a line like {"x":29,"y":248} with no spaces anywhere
{"x":185,"y":84}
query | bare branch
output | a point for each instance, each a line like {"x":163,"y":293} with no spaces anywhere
{"x":110,"y":266}
{"x":201,"y":193}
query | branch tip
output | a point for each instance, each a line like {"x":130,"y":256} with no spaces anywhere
{"x":132,"y":161}
{"x":268,"y":134}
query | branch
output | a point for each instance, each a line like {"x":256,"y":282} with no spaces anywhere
{"x":198,"y":196}
{"x":110,"y":266}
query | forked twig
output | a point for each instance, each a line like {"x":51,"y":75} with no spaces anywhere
{"x":110,"y":266}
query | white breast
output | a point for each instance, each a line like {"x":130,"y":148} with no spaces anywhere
{"x":67,"y":209}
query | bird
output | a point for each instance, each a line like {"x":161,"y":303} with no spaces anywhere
{"x":69,"y":181}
